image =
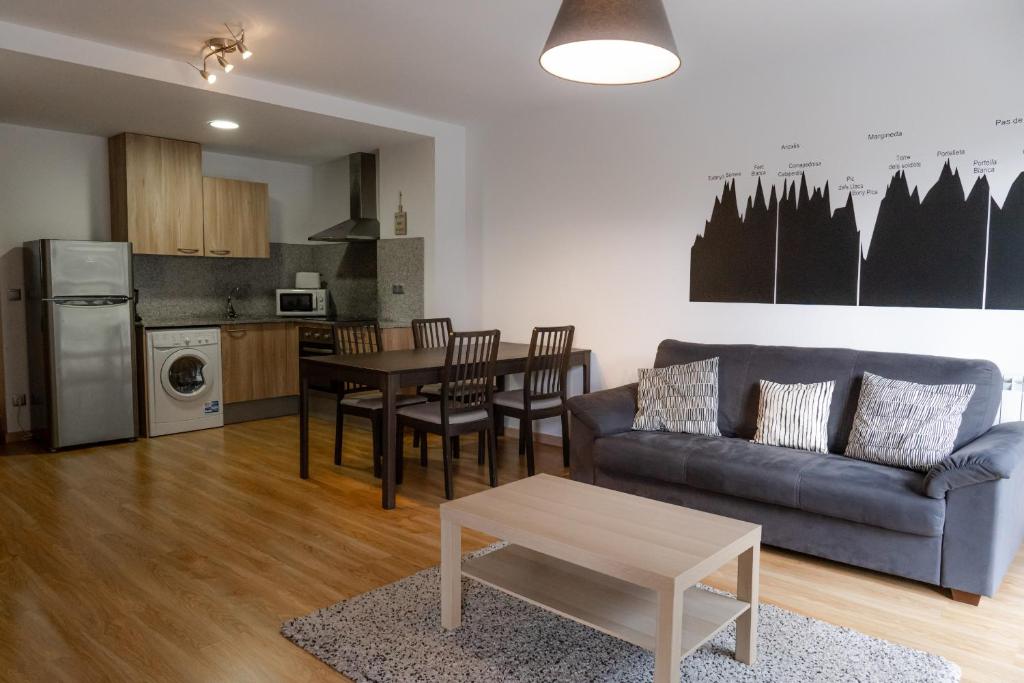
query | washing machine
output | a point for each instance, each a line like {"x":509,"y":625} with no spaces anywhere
{"x":183,"y":385}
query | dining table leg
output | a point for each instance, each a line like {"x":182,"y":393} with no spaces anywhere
{"x":499,"y":424}
{"x":388,"y":439}
{"x":304,"y":426}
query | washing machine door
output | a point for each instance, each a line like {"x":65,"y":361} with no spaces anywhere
{"x":183,"y":375}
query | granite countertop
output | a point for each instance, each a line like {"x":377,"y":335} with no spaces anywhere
{"x":163,"y":323}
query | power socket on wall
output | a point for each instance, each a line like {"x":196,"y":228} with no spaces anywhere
{"x":18,"y":400}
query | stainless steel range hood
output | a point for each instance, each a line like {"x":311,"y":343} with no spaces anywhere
{"x":362,"y":224}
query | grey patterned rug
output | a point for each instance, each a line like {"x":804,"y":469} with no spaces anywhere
{"x":393,"y":634}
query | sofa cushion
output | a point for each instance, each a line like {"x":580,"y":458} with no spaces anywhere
{"x":831,"y":485}
{"x":679,"y":398}
{"x":654,"y":455}
{"x":865,"y":492}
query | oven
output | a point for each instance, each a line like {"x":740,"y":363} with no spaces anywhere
{"x":317,"y":340}
{"x":303,"y":303}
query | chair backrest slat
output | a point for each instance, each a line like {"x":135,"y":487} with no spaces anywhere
{"x":547,"y":365}
{"x":431,"y":333}
{"x":357,"y":337}
{"x":468,"y":377}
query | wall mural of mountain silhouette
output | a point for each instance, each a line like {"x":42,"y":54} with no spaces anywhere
{"x":818,"y":249}
{"x":928,"y":252}
{"x":1006,"y":250}
{"x":925,"y":252}
{"x":734,"y":260}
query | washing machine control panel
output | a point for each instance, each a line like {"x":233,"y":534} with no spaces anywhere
{"x":185,"y":338}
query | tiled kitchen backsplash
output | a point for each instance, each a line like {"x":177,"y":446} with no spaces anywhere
{"x":355,"y":273}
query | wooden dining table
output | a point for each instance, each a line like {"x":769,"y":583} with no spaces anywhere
{"x":391,"y":371}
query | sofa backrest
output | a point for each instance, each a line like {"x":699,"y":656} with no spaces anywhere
{"x":742,"y":366}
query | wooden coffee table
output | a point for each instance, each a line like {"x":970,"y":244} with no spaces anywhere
{"x":619,"y":563}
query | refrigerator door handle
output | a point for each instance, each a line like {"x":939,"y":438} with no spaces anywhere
{"x":89,"y":301}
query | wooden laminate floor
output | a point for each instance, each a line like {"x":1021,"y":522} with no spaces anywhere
{"x":177,"y":558}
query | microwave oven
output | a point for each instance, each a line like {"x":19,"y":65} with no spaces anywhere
{"x":302,"y":303}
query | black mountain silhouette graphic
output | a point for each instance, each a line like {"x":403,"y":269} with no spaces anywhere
{"x":928,"y":253}
{"x":818,"y":249}
{"x":734,"y":260}
{"x":1006,"y":250}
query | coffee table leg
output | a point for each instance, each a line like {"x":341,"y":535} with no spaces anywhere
{"x":668,"y":647}
{"x":747,"y":590}
{"x":451,"y":574}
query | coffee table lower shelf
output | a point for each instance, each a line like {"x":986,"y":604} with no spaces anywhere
{"x":610,"y":605}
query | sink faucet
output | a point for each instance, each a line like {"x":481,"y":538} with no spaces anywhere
{"x":231,"y":314}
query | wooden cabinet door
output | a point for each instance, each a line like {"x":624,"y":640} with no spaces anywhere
{"x":259,"y":361}
{"x":277,"y":373}
{"x":397,"y":338}
{"x":235,"y":216}
{"x":239,"y":346}
{"x":157,"y":194}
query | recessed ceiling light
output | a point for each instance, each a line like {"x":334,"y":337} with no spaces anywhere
{"x":223,"y":124}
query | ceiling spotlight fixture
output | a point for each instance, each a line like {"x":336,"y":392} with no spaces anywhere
{"x":611,"y":42}
{"x":223,"y":124}
{"x":219,"y":48}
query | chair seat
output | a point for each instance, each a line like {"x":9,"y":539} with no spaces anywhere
{"x":514,"y":399}
{"x":374,"y":401}
{"x":431,"y":412}
{"x":431,"y":390}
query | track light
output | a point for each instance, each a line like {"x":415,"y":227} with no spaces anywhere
{"x":220,"y":48}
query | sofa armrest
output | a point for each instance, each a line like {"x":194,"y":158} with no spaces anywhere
{"x":994,"y":455}
{"x":606,"y":412}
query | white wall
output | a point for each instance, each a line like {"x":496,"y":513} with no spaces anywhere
{"x":409,"y":168}
{"x":589,"y":212}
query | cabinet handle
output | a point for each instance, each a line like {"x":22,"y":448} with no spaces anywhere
{"x":188,"y":251}
{"x":237,"y":333}
{"x":220,"y":252}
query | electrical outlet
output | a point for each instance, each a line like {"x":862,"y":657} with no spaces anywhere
{"x":398,"y":289}
{"x":18,"y":400}
{"x":14,"y":294}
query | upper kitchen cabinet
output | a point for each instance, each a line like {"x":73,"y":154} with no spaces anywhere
{"x":156,"y":194}
{"x":235,"y":215}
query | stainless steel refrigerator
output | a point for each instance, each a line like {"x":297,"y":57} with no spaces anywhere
{"x":80,"y":317}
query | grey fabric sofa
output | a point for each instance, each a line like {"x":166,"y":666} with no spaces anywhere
{"x":958,"y":526}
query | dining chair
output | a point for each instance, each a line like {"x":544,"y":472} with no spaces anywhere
{"x":543,"y":391}
{"x":359,"y":400}
{"x":466,"y":404}
{"x":430,"y":333}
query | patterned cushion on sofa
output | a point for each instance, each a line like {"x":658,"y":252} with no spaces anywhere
{"x":679,"y":398}
{"x":904,"y":424}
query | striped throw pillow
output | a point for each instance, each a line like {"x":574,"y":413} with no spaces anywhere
{"x":794,"y":415}
{"x":679,"y":398}
{"x":903,"y":424}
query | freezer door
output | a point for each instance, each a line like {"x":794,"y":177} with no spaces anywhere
{"x":93,"y":383}
{"x":78,"y":268}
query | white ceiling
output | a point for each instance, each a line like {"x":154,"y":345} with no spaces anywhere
{"x":474,"y":60}
{"x":64,"y":96}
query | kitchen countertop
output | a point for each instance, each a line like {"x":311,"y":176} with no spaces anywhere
{"x":164,"y":323}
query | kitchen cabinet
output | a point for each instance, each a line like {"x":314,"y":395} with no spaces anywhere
{"x":396,"y":338}
{"x":259,"y":361}
{"x":235,"y":218}
{"x":156,"y":194}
